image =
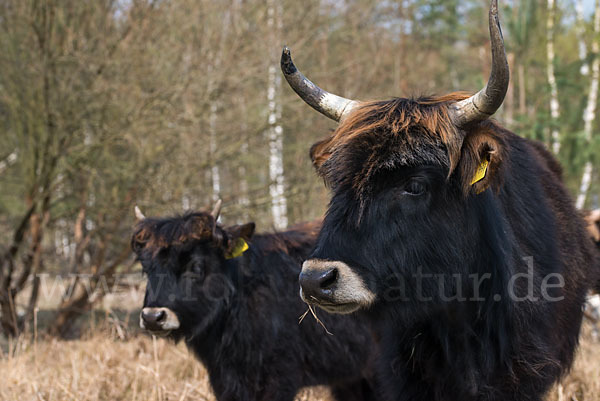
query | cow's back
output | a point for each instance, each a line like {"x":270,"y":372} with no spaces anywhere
{"x":551,"y":239}
{"x":576,"y":248}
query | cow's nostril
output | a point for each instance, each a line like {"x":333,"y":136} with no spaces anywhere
{"x":153,"y":316}
{"x":329,"y":278}
{"x":318,"y":283}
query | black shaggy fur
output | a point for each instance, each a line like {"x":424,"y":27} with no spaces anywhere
{"x":240,"y":316}
{"x":405,"y":217}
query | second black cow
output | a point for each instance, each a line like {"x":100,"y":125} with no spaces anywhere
{"x":232,"y":297}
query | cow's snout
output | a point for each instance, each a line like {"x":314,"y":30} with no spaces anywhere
{"x":158,"y":319}
{"x":318,"y":283}
{"x":153,"y":318}
{"x":333,"y":286}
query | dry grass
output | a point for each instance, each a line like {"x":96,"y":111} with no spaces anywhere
{"x":104,"y":367}
{"x":583,"y":383}
{"x":112,"y":364}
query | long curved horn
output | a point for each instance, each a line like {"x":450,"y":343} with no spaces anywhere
{"x":332,"y":106}
{"x":217,"y":209}
{"x":138,"y":213}
{"x":484,"y":103}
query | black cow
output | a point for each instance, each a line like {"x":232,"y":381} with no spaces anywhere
{"x":455,"y":237}
{"x":237,"y":309}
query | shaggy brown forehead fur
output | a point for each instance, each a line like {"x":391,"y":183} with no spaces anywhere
{"x":155,"y":234}
{"x":383,"y":135}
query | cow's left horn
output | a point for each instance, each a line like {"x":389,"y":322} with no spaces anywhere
{"x":138,"y":213}
{"x":332,"y":106}
{"x":484,"y":103}
{"x":217,"y":209}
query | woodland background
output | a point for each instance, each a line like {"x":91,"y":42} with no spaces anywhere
{"x":171,"y":104}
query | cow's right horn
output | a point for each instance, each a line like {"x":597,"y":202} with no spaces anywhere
{"x":328,"y":104}
{"x":484,"y":103}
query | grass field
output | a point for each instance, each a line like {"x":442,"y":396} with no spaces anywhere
{"x":113,"y":362}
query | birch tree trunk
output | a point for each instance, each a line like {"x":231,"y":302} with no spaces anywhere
{"x":275,"y":130}
{"x":214,"y":171}
{"x":522,"y":90}
{"x":8,"y":161}
{"x":589,"y":114}
{"x":509,"y":103}
{"x":243,"y":199}
{"x":580,"y":29}
{"x":554,"y":105}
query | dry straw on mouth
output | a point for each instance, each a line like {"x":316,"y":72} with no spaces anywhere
{"x":312,"y":311}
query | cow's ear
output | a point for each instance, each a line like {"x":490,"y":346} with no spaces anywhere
{"x":237,"y":237}
{"x":245,"y":231}
{"x":481,"y":160}
{"x":140,"y":238}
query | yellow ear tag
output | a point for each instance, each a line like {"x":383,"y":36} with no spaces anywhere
{"x":238,"y":249}
{"x":481,"y":172}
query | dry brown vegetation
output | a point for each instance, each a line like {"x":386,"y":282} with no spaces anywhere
{"x":583,"y":383}
{"x":114,"y":364}
{"x":104,"y":367}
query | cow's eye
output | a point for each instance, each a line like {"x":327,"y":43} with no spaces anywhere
{"x":414,"y":187}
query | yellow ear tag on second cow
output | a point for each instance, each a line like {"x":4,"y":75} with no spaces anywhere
{"x":481,"y":172}
{"x":239,"y":248}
